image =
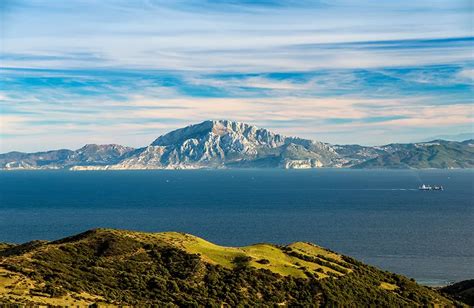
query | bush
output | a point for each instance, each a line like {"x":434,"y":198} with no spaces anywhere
{"x":242,"y":261}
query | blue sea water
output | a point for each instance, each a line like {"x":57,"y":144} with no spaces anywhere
{"x":377,"y":216}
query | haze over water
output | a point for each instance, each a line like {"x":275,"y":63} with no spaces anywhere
{"x":376,"y":216}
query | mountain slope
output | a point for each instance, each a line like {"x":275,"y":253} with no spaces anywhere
{"x":176,"y":269}
{"x":41,"y":160}
{"x":434,"y":154}
{"x":353,"y":154}
{"x":90,"y":154}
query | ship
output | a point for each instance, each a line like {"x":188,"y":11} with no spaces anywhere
{"x":429,"y":187}
{"x":425,"y":187}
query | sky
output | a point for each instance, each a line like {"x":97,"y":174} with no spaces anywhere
{"x":125,"y":72}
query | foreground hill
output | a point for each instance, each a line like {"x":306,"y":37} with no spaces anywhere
{"x":228,"y":144}
{"x":176,"y":269}
{"x":463,"y":291}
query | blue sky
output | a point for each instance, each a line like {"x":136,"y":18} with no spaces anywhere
{"x":368,"y":72}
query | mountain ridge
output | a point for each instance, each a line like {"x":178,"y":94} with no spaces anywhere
{"x":230,"y":144}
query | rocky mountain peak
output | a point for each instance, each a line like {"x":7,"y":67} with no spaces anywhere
{"x":222,"y":129}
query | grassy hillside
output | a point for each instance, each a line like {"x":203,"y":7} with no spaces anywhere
{"x":176,"y":269}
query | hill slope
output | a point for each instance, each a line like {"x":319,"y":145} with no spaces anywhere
{"x":176,"y":269}
{"x":463,"y":291}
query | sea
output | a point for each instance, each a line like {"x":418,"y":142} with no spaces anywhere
{"x":377,"y":216}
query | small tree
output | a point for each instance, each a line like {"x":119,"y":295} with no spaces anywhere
{"x":241,"y":261}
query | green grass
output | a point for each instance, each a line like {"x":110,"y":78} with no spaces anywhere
{"x":314,"y":250}
{"x":279,"y":261}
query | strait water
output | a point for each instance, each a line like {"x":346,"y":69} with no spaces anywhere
{"x":377,"y":216}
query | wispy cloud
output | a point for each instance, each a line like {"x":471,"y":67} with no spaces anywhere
{"x":235,"y":35}
{"x":73,"y":72}
{"x":467,"y":73}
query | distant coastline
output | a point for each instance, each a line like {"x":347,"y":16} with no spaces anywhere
{"x":230,"y":145}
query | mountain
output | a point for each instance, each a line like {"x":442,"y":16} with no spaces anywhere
{"x":90,"y":154}
{"x":434,"y":154}
{"x":456,"y":137}
{"x":219,"y":144}
{"x":172,"y":269}
{"x":55,"y":159}
{"x":228,"y":144}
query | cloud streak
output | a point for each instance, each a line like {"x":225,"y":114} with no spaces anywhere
{"x":118,"y":71}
